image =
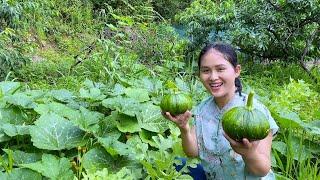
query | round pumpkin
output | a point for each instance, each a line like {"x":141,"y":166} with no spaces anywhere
{"x":176,"y":103}
{"x":245,"y":122}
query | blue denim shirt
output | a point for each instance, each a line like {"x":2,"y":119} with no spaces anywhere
{"x":217,"y":157}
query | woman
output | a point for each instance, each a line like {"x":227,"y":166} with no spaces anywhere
{"x":221,"y":156}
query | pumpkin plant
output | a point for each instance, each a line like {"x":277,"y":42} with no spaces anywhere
{"x":246,"y":122}
{"x":176,"y":102}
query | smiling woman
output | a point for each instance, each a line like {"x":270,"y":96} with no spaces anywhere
{"x":218,"y":73}
{"x":221,"y":156}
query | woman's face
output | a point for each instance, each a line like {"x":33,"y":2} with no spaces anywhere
{"x":218,"y":75}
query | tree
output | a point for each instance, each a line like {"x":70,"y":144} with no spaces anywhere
{"x":283,"y":30}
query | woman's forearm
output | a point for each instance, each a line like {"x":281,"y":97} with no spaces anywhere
{"x":189,"y":142}
{"x":258,"y":164}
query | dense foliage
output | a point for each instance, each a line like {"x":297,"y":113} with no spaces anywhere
{"x":263,"y":30}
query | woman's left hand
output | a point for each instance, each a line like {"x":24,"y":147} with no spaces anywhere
{"x":255,"y":154}
{"x":244,"y":148}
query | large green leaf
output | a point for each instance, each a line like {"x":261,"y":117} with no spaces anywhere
{"x":113,"y":103}
{"x":280,"y":146}
{"x":94,"y":94}
{"x":152,"y":85}
{"x":96,"y":159}
{"x":107,"y":126}
{"x":20,"y":99}
{"x":124,"y":174}
{"x":313,"y":127}
{"x":139,"y":149}
{"x":36,"y":95}
{"x":53,"y":132}
{"x":14,"y":130}
{"x":182,"y":85}
{"x":9,"y":87}
{"x":146,"y":137}
{"x":288,"y":119}
{"x":21,"y":174}
{"x":12,"y":115}
{"x":118,"y":90}
{"x":62,"y":95}
{"x":87,"y":120}
{"x":139,"y":94}
{"x":21,"y":157}
{"x":3,"y":136}
{"x":150,"y":118}
{"x":52,"y":167}
{"x":160,"y":165}
{"x":295,"y":149}
{"x":124,"y":122}
{"x":57,"y":108}
{"x":114,"y":147}
{"x":128,"y":106}
{"x":163,"y":143}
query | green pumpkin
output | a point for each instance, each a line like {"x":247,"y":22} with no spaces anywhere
{"x":176,"y":103}
{"x":245,"y":122}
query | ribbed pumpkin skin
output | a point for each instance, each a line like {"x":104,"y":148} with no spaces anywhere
{"x":241,"y":123}
{"x":176,"y":103}
{"x":245,"y":122}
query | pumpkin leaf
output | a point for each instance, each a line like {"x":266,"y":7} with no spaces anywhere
{"x":94,"y":94}
{"x":52,"y":167}
{"x":313,"y":127}
{"x":141,"y":95}
{"x":21,"y":174}
{"x":12,"y":115}
{"x":297,"y":150}
{"x":114,"y":147}
{"x":20,"y":99}
{"x":53,"y":132}
{"x":14,"y":130}
{"x":151,"y":85}
{"x":62,"y":95}
{"x":124,"y":122}
{"x":3,"y":136}
{"x":21,"y":157}
{"x":288,"y":119}
{"x":118,"y":90}
{"x":124,"y":105}
{"x":87,"y":120}
{"x":57,"y":108}
{"x":139,"y":149}
{"x":182,"y":85}
{"x":151,"y":119}
{"x":7,"y":87}
{"x":146,"y":137}
{"x":280,"y":147}
{"x":96,"y":159}
{"x":163,"y":143}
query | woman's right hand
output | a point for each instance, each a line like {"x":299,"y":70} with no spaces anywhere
{"x":181,"y":120}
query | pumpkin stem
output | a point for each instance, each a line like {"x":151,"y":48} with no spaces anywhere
{"x":171,"y":85}
{"x":250,"y":100}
